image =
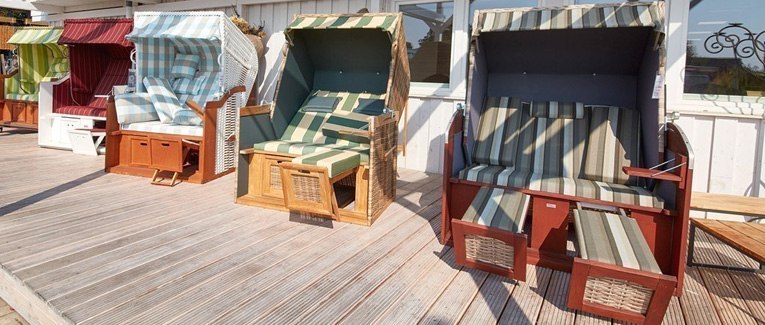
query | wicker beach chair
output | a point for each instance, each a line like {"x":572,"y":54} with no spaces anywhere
{"x":194,"y":70}
{"x":327,"y":144}
{"x":99,"y":59}
{"x":562,"y":108}
{"x":40,"y":58}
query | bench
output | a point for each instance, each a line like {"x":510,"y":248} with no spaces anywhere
{"x":616,"y":274}
{"x":489,"y":236}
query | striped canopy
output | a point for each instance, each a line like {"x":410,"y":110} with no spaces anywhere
{"x":96,"y":31}
{"x":180,"y":25}
{"x":36,"y":35}
{"x":387,"y":22}
{"x":628,"y":14}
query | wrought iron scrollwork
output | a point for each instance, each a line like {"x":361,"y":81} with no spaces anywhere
{"x":744,"y":43}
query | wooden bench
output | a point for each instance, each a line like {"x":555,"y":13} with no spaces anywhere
{"x":745,"y":237}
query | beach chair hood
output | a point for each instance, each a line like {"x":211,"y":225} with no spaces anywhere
{"x":41,"y":58}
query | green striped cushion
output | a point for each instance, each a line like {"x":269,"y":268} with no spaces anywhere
{"x":302,"y":148}
{"x":498,"y":131}
{"x":554,"y":109}
{"x":498,"y":208}
{"x":336,"y":161}
{"x":613,"y":239}
{"x":346,"y":121}
{"x":612,"y":143}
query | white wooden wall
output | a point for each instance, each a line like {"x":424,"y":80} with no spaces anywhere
{"x":729,"y":155}
{"x":428,"y":117}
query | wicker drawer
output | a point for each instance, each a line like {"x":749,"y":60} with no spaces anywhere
{"x":307,"y":189}
{"x":166,"y":155}
{"x":140,"y":154}
{"x":272,"y":182}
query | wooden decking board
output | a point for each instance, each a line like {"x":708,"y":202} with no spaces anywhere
{"x":114,"y":249}
{"x":554,"y":310}
{"x":590,"y":319}
{"x":526,"y":302}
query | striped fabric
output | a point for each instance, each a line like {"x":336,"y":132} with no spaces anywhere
{"x":186,"y":117}
{"x":58,"y":69}
{"x":185,"y":66}
{"x":189,"y":86}
{"x":81,"y":111}
{"x":613,"y":142}
{"x":616,"y":15}
{"x":159,"y":127}
{"x":21,"y":97}
{"x":153,"y":25}
{"x":97,"y":31}
{"x":553,"y":109}
{"x":573,"y":187}
{"x":346,"y":121}
{"x":613,"y":239}
{"x":135,"y":107}
{"x":336,"y":161}
{"x":307,"y":126}
{"x":498,"y":208}
{"x":386,"y":22}
{"x":163,"y":98}
{"x":302,"y":148}
{"x":40,"y":59}
{"x":498,"y":132}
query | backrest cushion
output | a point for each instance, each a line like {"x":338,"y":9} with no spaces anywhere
{"x":554,"y":109}
{"x":341,"y":122}
{"x":185,"y":66}
{"x":370,"y":106}
{"x":550,"y":147}
{"x":186,"y":117}
{"x":188,"y":86}
{"x":498,"y":131}
{"x":613,"y":142}
{"x":134,"y":107}
{"x":59,"y":67}
{"x":163,"y":98}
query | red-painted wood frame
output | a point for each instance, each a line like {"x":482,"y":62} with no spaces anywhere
{"x":665,"y":230}
{"x":518,"y":241}
{"x":663,"y":287}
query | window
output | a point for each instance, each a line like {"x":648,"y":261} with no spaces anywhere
{"x":428,"y":28}
{"x":714,"y":64}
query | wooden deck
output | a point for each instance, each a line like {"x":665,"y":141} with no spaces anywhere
{"x":81,"y":246}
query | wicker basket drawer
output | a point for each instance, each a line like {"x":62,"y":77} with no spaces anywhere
{"x":307,"y":189}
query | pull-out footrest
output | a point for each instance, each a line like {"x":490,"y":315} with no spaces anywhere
{"x":307,"y":180}
{"x":616,"y":274}
{"x":489,"y":236}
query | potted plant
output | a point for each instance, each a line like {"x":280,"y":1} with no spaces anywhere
{"x":254,"y":33}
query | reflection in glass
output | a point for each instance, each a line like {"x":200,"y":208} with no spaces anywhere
{"x":428,"y":28}
{"x":712,"y":71}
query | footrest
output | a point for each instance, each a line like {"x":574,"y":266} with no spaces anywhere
{"x":616,"y":274}
{"x":489,"y":236}
{"x":307,"y":180}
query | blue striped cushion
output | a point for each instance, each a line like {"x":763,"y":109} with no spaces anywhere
{"x":185,"y":66}
{"x":134,"y":107}
{"x":163,"y":98}
{"x":189,"y":86}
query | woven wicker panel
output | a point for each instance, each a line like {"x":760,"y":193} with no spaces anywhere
{"x":382,"y":169}
{"x":276,"y":178}
{"x":5,"y":33}
{"x":489,"y":250}
{"x":398,"y":84}
{"x":350,"y":180}
{"x":618,"y":294}
{"x":307,"y":188}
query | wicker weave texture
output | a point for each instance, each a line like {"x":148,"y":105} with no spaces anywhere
{"x":276,"y":178}
{"x":382,"y":165}
{"x":307,"y":188}
{"x":489,"y":250}
{"x":618,"y":294}
{"x":398,"y":87}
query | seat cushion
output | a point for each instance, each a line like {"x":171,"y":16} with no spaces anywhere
{"x":340,"y":123}
{"x":134,"y":107}
{"x":22,"y":97}
{"x":574,"y":187}
{"x":302,"y":148}
{"x":498,"y":208}
{"x":81,"y":111}
{"x":336,"y":161}
{"x":613,"y":239}
{"x":159,"y":127}
{"x":185,"y":66}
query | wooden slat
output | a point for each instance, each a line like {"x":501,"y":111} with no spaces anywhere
{"x":696,"y":301}
{"x":728,"y":203}
{"x":742,"y":236}
{"x":527,"y":300}
{"x":554,"y":310}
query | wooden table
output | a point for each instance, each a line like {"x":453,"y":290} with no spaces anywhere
{"x":724,"y":203}
{"x":746,"y":237}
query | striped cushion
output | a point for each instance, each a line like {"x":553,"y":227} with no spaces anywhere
{"x":498,"y":208}
{"x":186,"y":117}
{"x":185,"y":66}
{"x":189,"y":86}
{"x":302,"y":148}
{"x":134,"y":107}
{"x":573,"y":187}
{"x":336,"y":161}
{"x":346,"y":121}
{"x":22,"y":97}
{"x":613,"y":142}
{"x":553,"y":109}
{"x":498,"y":131}
{"x":613,"y":239}
{"x":59,"y":67}
{"x":163,"y":98}
{"x":159,"y":127}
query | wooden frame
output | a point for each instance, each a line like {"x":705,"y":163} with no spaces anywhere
{"x":662,"y":286}
{"x":517,"y":240}
{"x":120,"y":158}
{"x":16,"y":113}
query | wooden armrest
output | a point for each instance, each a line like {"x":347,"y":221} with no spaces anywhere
{"x":255,"y":110}
{"x":10,"y":74}
{"x":196,"y":108}
{"x":651,"y":173}
{"x":354,"y":132}
{"x":248,"y":151}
